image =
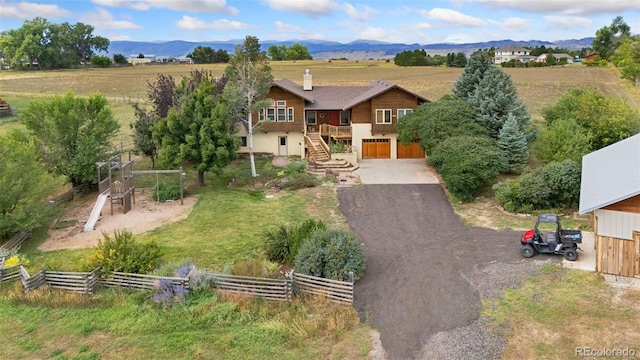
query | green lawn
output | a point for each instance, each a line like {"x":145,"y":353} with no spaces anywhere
{"x":225,"y":227}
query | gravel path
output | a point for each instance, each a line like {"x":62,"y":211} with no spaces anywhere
{"x":427,"y":272}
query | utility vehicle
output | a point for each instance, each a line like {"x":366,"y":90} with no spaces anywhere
{"x":549,"y":237}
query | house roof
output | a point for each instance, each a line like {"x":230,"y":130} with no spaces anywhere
{"x":512,"y":48}
{"x":610,"y":175}
{"x":338,"y":97}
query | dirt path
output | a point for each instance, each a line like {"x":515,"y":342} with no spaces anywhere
{"x":144,"y":215}
{"x":420,"y":258}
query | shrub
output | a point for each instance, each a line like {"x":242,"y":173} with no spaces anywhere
{"x":466,"y":163}
{"x":122,"y":253}
{"x":282,"y":245}
{"x":14,"y":259}
{"x":166,"y":191}
{"x":331,"y":254}
{"x":338,"y":147}
{"x":296,"y":167}
{"x":102,"y":61}
{"x":555,"y":185}
{"x":299,"y":181}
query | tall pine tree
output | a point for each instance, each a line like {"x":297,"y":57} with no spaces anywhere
{"x":473,"y":73}
{"x":512,"y":143}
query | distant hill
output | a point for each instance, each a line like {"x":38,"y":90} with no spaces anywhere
{"x":359,"y":49}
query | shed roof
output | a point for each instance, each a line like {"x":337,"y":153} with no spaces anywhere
{"x":610,"y":175}
{"x":338,"y":97}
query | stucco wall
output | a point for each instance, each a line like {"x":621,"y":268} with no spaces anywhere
{"x":269,"y":142}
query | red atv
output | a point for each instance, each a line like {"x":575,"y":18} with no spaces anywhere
{"x":548,"y":237}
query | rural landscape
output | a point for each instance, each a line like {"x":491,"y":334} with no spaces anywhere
{"x":208,"y":254}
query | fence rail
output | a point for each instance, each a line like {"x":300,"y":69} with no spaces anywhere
{"x":140,"y":281}
{"x":16,"y":241}
{"x":336,"y":291}
{"x":272,"y":289}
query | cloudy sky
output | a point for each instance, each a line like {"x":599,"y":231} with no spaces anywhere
{"x":406,"y":21}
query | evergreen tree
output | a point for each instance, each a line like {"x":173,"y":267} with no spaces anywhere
{"x":512,"y":142}
{"x":473,"y":73}
{"x":494,"y":98}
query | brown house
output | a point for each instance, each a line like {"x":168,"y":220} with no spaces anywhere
{"x":304,"y":119}
{"x":610,"y":189}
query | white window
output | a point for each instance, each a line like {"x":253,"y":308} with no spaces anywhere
{"x":344,"y":118}
{"x":290,"y":114}
{"x":383,"y":116}
{"x":271,"y":114}
{"x":311,"y":117}
{"x":282,"y":114}
{"x":403,"y":112}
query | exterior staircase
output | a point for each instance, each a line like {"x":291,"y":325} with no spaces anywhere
{"x":318,"y":149}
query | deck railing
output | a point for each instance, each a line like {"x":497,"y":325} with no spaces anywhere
{"x":336,"y":132}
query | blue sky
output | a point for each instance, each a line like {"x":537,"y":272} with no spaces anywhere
{"x":424,"y":22}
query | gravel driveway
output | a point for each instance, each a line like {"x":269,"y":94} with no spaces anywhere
{"x":427,"y":272}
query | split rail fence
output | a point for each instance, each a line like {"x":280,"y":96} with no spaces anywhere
{"x":270,"y":289}
{"x":84,"y":282}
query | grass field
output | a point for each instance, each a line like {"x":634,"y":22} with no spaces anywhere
{"x":226,"y":227}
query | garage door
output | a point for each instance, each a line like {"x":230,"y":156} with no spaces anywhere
{"x":411,"y":151}
{"x":376,"y":148}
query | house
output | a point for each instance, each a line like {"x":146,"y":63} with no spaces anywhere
{"x":542,"y":58}
{"x":305,"y":119}
{"x":512,"y":52}
{"x":610,"y":189}
{"x":592,"y":57}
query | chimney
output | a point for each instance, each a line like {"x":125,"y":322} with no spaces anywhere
{"x":306,"y":81}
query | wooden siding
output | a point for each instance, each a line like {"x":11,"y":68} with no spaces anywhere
{"x":617,"y":224}
{"x":361,"y":113}
{"x":631,"y":205}
{"x":297,"y":103}
{"x":616,"y":256}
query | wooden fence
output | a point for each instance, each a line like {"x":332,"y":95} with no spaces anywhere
{"x":9,"y":273}
{"x":271,"y":289}
{"x":140,"y":281}
{"x":336,"y":291}
{"x":16,"y":241}
{"x":67,"y":196}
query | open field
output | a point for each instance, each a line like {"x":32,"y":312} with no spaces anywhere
{"x":537,"y":87}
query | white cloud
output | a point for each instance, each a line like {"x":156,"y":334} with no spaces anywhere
{"x":569,"y":7}
{"x":213,"y":6}
{"x":288,"y":32}
{"x":127,"y":4}
{"x":312,"y":8}
{"x":423,"y":26}
{"x":452,"y":17}
{"x":103,"y":19}
{"x":512,"y":23}
{"x":28,"y":10}
{"x":374,"y":33}
{"x":119,"y":37}
{"x":361,"y":13}
{"x":194,"y":24}
{"x":567,"y":22}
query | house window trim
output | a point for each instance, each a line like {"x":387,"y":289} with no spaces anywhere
{"x":281,"y":111}
{"x":384,"y":111}
{"x":290,"y":114}
{"x":243,"y":141}
{"x":348,"y":122}
{"x":281,"y":103}
{"x":406,"y":112}
{"x":315,"y":117}
{"x":273,"y":116}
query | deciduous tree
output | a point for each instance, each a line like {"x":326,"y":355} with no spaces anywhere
{"x":25,"y":185}
{"x":608,"y":38}
{"x":72,"y":134}
{"x":200,"y":129}
{"x":250,"y":79}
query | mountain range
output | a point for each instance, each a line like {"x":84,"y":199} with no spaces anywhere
{"x":355,"y":50}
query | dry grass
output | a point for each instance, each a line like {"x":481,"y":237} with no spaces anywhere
{"x":562,"y":309}
{"x":537,"y":87}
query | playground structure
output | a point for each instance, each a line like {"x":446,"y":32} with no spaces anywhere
{"x":121,"y":191}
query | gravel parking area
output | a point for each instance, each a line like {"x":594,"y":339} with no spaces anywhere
{"x":427,"y":272}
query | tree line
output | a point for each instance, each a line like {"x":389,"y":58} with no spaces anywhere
{"x":44,"y":45}
{"x":419,"y":57}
